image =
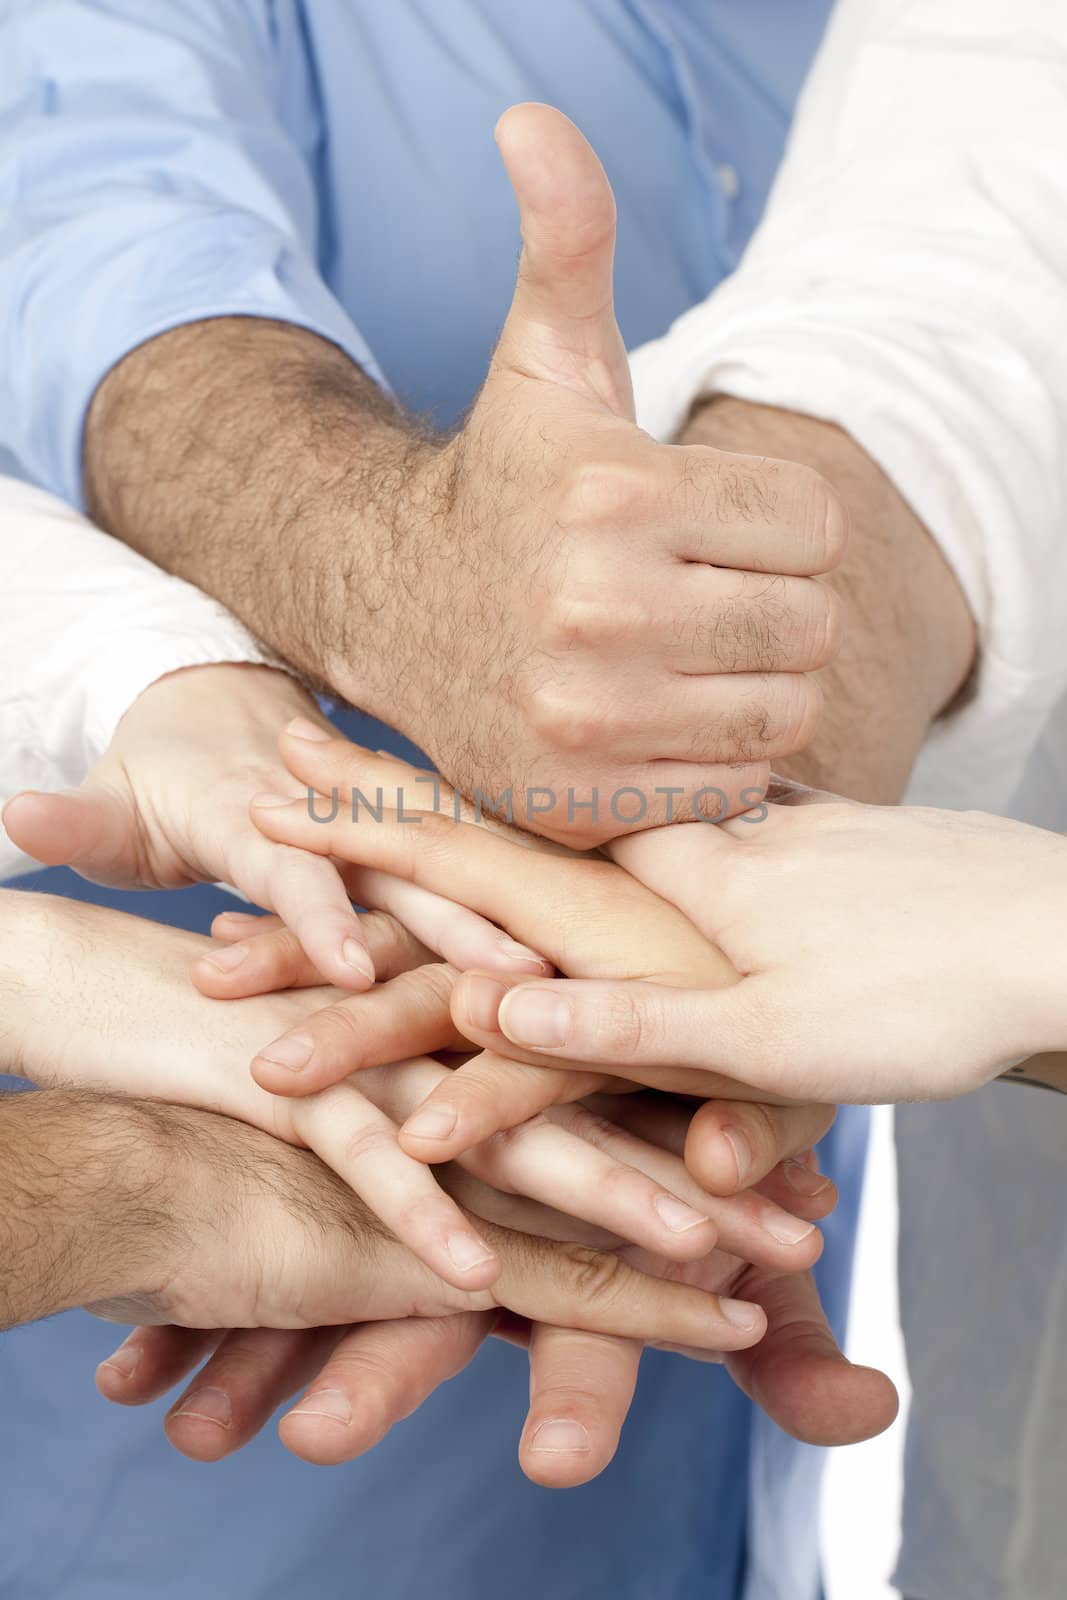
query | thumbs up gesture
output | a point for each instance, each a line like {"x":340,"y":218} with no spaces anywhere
{"x":625,"y":631}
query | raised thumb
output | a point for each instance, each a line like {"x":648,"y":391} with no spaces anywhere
{"x":561,"y":326}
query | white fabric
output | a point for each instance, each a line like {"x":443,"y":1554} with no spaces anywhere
{"x":909,"y":282}
{"x":85,"y":626}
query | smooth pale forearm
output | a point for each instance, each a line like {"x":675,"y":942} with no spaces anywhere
{"x":908,"y":639}
{"x":86,"y":1203}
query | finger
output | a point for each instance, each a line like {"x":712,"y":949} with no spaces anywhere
{"x":358,"y":1142}
{"x":566,"y":1167}
{"x":798,"y":1186}
{"x":556,"y":899}
{"x":633,"y":1029}
{"x":734,"y":1144}
{"x":728,"y":717}
{"x":408,"y":1016}
{"x":573,"y":1286}
{"x":753,"y":512}
{"x":260,"y":959}
{"x":234,"y":1394}
{"x":456,"y":934}
{"x":749,"y":622}
{"x":378,"y":1375}
{"x":581,"y":1388}
{"x":151,"y":1361}
{"x":752,"y":1225}
{"x":91,"y":830}
{"x":660,"y":1125}
{"x":309,"y":896}
{"x":349,"y":777}
{"x":798,"y":1373}
{"x":484,"y":1096}
{"x":561,"y":325}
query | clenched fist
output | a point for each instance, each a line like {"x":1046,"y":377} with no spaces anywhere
{"x":603,"y":615}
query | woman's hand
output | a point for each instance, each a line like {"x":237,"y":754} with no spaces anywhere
{"x":593,"y":920}
{"x":153,"y":1036}
{"x":167,"y":806}
{"x":889,"y":954}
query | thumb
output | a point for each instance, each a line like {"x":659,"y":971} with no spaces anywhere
{"x":561,"y":326}
{"x":89,"y":830}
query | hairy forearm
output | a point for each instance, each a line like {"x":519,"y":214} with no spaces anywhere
{"x":908,"y":638}
{"x":86,"y":1208}
{"x":257,"y":461}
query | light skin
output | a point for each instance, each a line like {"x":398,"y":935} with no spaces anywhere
{"x":194,"y":1222}
{"x":594,"y":920}
{"x":225,"y":1264}
{"x":167,"y":805}
{"x":888,"y":953}
{"x":636,"y":613}
{"x":154,"y":1036}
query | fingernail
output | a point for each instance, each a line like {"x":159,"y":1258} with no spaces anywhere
{"x":210,"y":1405}
{"x":468,"y":1251}
{"x":802,"y":1179}
{"x":267,"y":800}
{"x":742,"y":1152}
{"x":519,"y":952}
{"x":358,"y":957}
{"x":293,"y":1052}
{"x":534,"y":1017}
{"x":125,"y":1360}
{"x":226,"y":960}
{"x":331,"y":1403}
{"x":740,"y":1314}
{"x":301,"y":728}
{"x":677,"y":1215}
{"x":483,"y":999}
{"x":786,"y":1229}
{"x":560,"y":1437}
{"x":431,"y":1122}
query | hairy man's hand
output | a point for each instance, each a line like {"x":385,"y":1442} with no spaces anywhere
{"x":607,"y":612}
{"x":550,"y":601}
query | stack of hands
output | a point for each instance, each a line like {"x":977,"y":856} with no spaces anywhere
{"x":442,"y":1139}
{"x":566,"y":1098}
{"x":425,"y":1182}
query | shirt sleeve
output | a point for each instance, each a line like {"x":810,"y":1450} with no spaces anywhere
{"x":909,"y":283}
{"x":146,"y":181}
{"x":86,"y":625}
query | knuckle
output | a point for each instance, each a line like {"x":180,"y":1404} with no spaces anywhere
{"x":595,"y":1277}
{"x":592,"y":617}
{"x":564,"y":718}
{"x":365,"y":1143}
{"x":598,"y":496}
{"x":620,"y":1027}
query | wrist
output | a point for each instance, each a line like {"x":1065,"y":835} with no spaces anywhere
{"x":89,"y":1214}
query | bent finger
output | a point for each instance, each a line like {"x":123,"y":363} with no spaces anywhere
{"x":377,"y":1375}
{"x":358,"y":1142}
{"x":581,"y":1389}
{"x":485,"y":1096}
{"x":151,"y":1361}
{"x":407,"y":1016}
{"x":798,"y":1373}
{"x":733,"y":1144}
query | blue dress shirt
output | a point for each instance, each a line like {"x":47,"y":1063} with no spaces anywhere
{"x":330,"y":162}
